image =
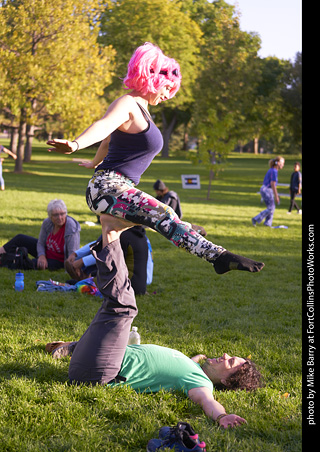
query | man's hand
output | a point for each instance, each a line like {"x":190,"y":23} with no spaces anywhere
{"x":197,"y":358}
{"x":72,"y":257}
{"x":212,"y":408}
{"x":231,"y":420}
{"x":78,"y":264}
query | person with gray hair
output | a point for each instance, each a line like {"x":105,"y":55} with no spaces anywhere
{"x":56,"y":204}
{"x":59,"y":237}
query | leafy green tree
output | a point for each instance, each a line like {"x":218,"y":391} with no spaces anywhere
{"x":292,"y":99}
{"x":51,"y":62}
{"x":225,"y":85}
{"x":127,"y":24}
{"x":267,"y":116}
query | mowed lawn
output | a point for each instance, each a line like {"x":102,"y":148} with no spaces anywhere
{"x":188,"y":307}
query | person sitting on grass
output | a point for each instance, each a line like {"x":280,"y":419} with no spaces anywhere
{"x":168,"y":197}
{"x":81,"y":264}
{"x":59,"y":237}
{"x":171,"y":199}
{"x":102,"y":356}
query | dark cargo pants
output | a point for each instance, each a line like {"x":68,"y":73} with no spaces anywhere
{"x":99,"y":353}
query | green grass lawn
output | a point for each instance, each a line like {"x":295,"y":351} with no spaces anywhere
{"x":188,"y":307}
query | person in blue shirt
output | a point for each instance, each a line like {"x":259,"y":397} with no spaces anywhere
{"x":295,"y":188}
{"x":269,"y":192}
{"x":137,"y":252}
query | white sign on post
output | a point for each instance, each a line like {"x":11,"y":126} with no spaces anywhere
{"x":190,"y":181}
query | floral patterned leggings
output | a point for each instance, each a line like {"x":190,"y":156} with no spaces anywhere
{"x":267,"y":214}
{"x":111,"y":193}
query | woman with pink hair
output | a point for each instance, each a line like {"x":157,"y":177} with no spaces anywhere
{"x":129,"y":142}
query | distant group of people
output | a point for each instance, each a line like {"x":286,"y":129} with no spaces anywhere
{"x":269,"y":192}
{"x":129,"y":142}
{"x":58,"y":244}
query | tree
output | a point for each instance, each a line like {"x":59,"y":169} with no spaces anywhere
{"x":127,"y":24}
{"x":51,"y":62}
{"x":267,"y":116}
{"x":227,"y":77}
{"x":292,"y":99}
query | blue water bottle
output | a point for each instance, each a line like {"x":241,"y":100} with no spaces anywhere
{"x":19,"y":283}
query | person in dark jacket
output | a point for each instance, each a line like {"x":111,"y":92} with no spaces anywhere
{"x":171,"y":199}
{"x":295,"y":188}
{"x":168,"y":197}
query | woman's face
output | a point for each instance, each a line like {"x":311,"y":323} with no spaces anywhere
{"x":58,"y":217}
{"x":161,"y":95}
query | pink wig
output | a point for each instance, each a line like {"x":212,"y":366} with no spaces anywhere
{"x":149,"y":70}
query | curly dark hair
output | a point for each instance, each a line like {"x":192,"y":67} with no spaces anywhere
{"x":247,"y":377}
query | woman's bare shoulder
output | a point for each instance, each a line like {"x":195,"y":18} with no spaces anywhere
{"x":125,"y":101}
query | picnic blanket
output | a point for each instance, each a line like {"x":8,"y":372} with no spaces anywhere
{"x":84,"y":286}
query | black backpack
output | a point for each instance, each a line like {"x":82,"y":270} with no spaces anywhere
{"x":17,"y":261}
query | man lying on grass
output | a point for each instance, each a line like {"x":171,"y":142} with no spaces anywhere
{"x":149,"y":368}
{"x":102,"y":356}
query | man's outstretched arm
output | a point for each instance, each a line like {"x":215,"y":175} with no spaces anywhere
{"x":213,"y":409}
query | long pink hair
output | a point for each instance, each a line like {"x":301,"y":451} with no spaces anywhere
{"x":149,"y":71}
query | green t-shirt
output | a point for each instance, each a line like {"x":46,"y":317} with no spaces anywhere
{"x":150,"y":368}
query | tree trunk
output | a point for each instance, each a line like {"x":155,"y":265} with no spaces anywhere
{"x":256,"y":145}
{"x":28,"y":148}
{"x":211,"y":177}
{"x":185,"y":139}
{"x":167,"y":130}
{"x":22,"y":140}
{"x":14,"y":139}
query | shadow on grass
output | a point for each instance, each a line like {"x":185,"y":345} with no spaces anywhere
{"x":42,"y":372}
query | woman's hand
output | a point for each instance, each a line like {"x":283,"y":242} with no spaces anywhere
{"x":88,"y":164}
{"x":42,"y":262}
{"x":62,"y":146}
{"x":231,"y":420}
